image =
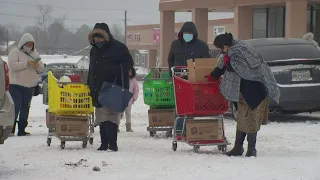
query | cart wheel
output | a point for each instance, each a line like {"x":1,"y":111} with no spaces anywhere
{"x":84,"y":144}
{"x":62,"y":145}
{"x":196,"y":149}
{"x":169,"y":134}
{"x":224,"y":149}
{"x":91,"y":141}
{"x":174,"y":145}
{"x":152,"y":133}
{"x":49,"y":141}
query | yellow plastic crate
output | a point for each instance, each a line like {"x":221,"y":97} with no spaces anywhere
{"x":71,"y":99}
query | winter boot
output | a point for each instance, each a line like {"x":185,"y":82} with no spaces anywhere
{"x":113,"y":135}
{"x":238,"y":145}
{"x":251,"y":138}
{"x":22,"y":127}
{"x":104,"y":138}
{"x":128,"y":127}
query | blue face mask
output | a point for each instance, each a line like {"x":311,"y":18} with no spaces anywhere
{"x":100,"y":44}
{"x":187,"y":37}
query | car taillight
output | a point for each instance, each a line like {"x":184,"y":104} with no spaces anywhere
{"x":6,"y":71}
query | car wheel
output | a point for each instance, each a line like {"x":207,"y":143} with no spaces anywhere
{"x":233,"y":111}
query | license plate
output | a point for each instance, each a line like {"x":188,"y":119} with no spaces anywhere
{"x":303,"y":75}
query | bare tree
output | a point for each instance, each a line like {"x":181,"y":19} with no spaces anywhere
{"x":117,"y":32}
{"x":44,"y":20}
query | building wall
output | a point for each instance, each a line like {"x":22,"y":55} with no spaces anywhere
{"x":146,"y":33}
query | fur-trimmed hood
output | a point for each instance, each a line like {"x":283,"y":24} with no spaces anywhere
{"x":101,"y":29}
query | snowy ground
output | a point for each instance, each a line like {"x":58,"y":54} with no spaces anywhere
{"x":287,"y":151}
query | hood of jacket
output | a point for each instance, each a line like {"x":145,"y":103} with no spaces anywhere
{"x":101,"y":29}
{"x":188,"y":27}
{"x":25,"y":39}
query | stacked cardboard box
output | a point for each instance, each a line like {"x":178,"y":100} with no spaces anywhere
{"x":68,"y":125}
{"x":199,"y":68}
{"x":161,"y":117}
{"x":204,"y":129}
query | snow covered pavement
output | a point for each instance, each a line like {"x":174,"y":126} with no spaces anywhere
{"x":287,"y":151}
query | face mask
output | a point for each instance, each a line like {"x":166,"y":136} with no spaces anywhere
{"x":187,"y":37}
{"x":100,"y":44}
{"x":27,"y":49}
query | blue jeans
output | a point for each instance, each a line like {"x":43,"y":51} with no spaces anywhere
{"x":22,"y":97}
{"x":179,"y":123}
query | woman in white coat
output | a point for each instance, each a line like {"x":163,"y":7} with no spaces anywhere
{"x":24,"y":72}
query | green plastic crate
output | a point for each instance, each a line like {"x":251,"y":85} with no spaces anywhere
{"x":158,"y":92}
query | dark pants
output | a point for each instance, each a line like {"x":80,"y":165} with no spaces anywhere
{"x":109,"y":134}
{"x":22,"y":97}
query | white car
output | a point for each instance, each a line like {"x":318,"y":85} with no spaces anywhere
{"x":7,"y":114}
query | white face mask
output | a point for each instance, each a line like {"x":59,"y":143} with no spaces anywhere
{"x":27,"y":49}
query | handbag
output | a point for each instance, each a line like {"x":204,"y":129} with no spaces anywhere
{"x":114,"y":97}
{"x":36,"y":90}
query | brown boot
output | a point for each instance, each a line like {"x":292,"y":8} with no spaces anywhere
{"x":128,"y":127}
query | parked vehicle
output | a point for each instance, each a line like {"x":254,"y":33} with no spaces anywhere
{"x":64,"y":67}
{"x":295,"y":64}
{"x":52,"y":66}
{"x":6,"y":103}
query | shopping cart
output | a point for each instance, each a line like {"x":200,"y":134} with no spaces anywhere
{"x":72,"y":103}
{"x":158,"y":94}
{"x":194,"y":102}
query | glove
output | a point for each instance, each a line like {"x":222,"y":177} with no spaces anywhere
{"x":210,"y":78}
{"x":226,"y":59}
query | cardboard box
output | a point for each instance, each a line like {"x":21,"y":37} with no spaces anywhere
{"x":161,"y":117}
{"x":200,"y":68}
{"x":50,"y":120}
{"x":206,"y":129}
{"x":72,"y":126}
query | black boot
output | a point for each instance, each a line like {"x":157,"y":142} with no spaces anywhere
{"x":113,"y":134}
{"x":22,"y":127}
{"x":238,"y":145}
{"x":251,"y":138}
{"x":104,"y":138}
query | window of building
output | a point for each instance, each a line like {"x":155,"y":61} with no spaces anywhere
{"x":313,"y":21}
{"x":268,"y":22}
{"x":259,"y":24}
{"x":276,"y":22}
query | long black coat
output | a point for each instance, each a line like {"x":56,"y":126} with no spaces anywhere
{"x":105,"y":64}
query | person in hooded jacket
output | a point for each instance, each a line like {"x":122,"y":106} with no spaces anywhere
{"x":187,"y":46}
{"x":24,"y":77}
{"x":107,"y":55}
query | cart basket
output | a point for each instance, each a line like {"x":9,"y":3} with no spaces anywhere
{"x":158,"y":89}
{"x":198,"y":99}
{"x":71,"y":99}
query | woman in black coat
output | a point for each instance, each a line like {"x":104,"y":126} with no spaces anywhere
{"x":107,"y":55}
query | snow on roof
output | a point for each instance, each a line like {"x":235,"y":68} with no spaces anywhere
{"x":48,"y":59}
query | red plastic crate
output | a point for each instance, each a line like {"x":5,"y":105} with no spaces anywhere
{"x":75,"y":78}
{"x":199,"y":99}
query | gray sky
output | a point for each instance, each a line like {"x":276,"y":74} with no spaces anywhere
{"x":79,"y":12}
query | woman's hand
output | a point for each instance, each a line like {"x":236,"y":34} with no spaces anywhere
{"x":33,"y":64}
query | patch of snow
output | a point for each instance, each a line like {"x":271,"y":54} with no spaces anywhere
{"x":287,"y":151}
